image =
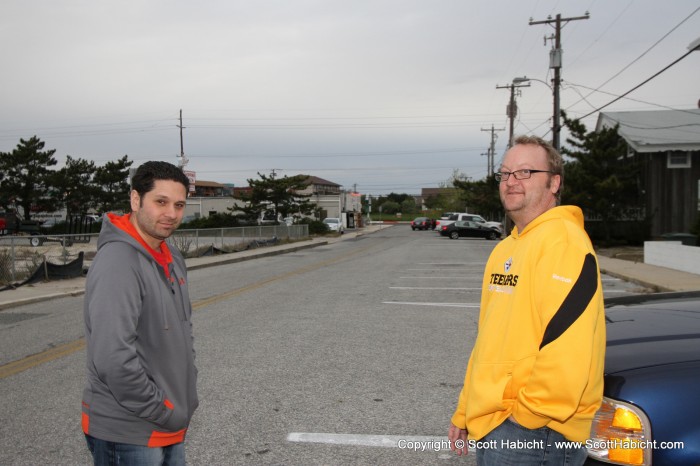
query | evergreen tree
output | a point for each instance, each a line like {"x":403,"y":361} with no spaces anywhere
{"x":26,"y":179}
{"x":277,"y":197}
{"x":112,"y":180}
{"x":73,"y":186}
{"x":601,"y":179}
{"x":482,"y":197}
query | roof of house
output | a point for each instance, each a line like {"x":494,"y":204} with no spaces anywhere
{"x":656,"y":130}
{"x":208,"y":184}
{"x":320,"y":181}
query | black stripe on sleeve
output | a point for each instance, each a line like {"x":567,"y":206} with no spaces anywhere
{"x":575,"y":303}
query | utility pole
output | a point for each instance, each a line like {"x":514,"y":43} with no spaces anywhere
{"x":488,"y":159}
{"x":492,"y":149}
{"x":555,"y":62}
{"x":183,"y":159}
{"x":512,"y":109}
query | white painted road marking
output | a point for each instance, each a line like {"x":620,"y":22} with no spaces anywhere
{"x":432,"y":304}
{"x":386,"y":441}
{"x":442,"y":268}
{"x":442,"y":278}
{"x":430,"y":288}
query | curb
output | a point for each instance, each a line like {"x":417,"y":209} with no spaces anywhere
{"x":38,"y":299}
{"x":215,"y":262}
{"x":263,"y":253}
{"x":645,"y":284}
{"x":218,"y":260}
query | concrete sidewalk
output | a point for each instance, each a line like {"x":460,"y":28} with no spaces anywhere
{"x":653,"y":277}
{"x":44,"y":291}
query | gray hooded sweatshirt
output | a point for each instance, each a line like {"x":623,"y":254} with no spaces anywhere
{"x":141,"y":377}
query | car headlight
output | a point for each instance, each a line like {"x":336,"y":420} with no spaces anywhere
{"x":621,"y":434}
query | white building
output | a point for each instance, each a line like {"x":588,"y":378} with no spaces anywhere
{"x":329,"y":198}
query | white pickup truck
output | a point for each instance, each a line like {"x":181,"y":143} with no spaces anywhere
{"x":465,"y":216}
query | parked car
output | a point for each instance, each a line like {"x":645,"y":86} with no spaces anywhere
{"x":467,"y":228}
{"x":454,"y":217}
{"x":652,"y":375}
{"x":334,"y":224}
{"x":422,"y":223}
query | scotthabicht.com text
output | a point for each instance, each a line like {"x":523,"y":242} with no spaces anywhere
{"x":444,"y":444}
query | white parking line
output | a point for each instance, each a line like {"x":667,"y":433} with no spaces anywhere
{"x":430,"y":288}
{"x":431,"y":304}
{"x":442,"y":278}
{"x":453,"y":264}
{"x":386,"y":441}
{"x":440,"y":268}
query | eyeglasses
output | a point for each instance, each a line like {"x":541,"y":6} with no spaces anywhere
{"x":518,"y":174}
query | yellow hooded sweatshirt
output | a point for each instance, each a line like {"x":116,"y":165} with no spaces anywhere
{"x":540,"y":348}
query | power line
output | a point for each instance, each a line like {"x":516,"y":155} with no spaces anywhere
{"x":640,"y":56}
{"x":573,"y":86}
{"x":345,"y":154}
{"x":603,"y":33}
{"x":637,"y":86}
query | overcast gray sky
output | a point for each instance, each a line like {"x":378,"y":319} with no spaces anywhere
{"x":381,"y":95}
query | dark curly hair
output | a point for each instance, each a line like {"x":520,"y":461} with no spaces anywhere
{"x":147,"y":174}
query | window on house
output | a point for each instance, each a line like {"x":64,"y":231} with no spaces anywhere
{"x":678,"y":159}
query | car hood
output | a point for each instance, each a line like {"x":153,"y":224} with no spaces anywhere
{"x":652,"y":333}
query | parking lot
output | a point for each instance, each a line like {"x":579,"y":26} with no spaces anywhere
{"x":331,"y":355}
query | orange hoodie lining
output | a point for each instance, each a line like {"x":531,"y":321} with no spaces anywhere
{"x":162,"y":257}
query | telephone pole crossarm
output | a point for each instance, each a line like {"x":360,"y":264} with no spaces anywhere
{"x":549,"y":21}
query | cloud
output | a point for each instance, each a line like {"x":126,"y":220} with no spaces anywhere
{"x":264,"y":84}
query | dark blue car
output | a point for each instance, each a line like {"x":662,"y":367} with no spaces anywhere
{"x":651,"y":410}
{"x":469,"y":229}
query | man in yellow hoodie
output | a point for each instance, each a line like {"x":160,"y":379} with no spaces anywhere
{"x":535,"y":375}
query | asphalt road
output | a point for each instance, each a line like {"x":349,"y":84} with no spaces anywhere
{"x":315,"y":357}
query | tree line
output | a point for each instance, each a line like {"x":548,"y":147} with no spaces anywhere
{"x":27,"y":184}
{"x":600,"y":177}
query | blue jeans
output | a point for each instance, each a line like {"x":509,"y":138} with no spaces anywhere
{"x":123,"y":454}
{"x":511,"y":444}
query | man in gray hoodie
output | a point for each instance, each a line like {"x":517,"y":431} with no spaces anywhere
{"x":141,"y":378}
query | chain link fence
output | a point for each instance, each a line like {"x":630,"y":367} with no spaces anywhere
{"x":21,"y":256}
